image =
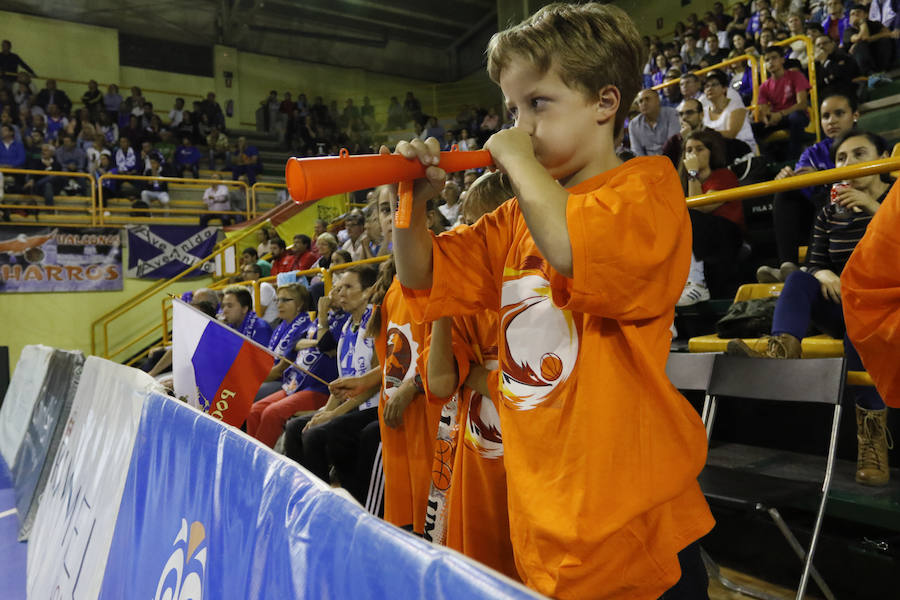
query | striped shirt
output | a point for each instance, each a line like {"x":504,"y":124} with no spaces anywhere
{"x":834,"y":238}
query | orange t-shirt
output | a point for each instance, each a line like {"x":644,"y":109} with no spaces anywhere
{"x":870,"y":295}
{"x":478,"y":518}
{"x":407,"y":451}
{"x":602,"y":453}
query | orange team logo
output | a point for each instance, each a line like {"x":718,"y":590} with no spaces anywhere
{"x":183,"y":574}
{"x":541,"y":341}
{"x":402,"y":353}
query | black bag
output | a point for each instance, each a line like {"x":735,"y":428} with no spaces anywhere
{"x":747,"y":319}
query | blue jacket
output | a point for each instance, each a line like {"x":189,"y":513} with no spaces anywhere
{"x":185,"y":155}
{"x":14,"y":156}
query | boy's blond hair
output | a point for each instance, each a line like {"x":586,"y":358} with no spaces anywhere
{"x":487,"y":193}
{"x":592,"y":46}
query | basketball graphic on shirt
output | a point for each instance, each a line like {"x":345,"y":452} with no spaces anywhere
{"x":401,"y":355}
{"x":541,"y":342}
{"x":551,"y":367}
{"x":442,"y":468}
{"x":483,"y":427}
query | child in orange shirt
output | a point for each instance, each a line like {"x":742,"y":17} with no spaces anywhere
{"x":462,"y":365}
{"x":583,"y":269}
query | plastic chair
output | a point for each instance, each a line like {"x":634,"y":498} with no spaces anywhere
{"x":814,"y":381}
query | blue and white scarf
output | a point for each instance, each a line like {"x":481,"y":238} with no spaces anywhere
{"x":248,"y":326}
{"x":355,"y":352}
{"x":286,"y":335}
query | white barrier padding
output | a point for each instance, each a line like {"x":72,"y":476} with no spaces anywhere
{"x":70,"y":541}
{"x":15,"y":414}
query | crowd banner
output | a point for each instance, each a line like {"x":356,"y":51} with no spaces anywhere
{"x":208,"y":512}
{"x":21,"y":396}
{"x":60,"y":259}
{"x":164,"y":251}
{"x":38,"y":448}
{"x":76,"y":517}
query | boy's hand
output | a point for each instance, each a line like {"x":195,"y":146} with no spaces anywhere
{"x":509,"y":148}
{"x":429,"y":154}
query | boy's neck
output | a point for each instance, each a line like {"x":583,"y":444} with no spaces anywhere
{"x":604,"y":163}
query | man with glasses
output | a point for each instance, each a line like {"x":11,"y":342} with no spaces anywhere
{"x":690,"y":114}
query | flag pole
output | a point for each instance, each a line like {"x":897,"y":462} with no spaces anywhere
{"x":251,"y":340}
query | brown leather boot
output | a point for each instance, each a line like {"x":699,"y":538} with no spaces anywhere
{"x":873,"y":441}
{"x":783,"y":345}
{"x":738,"y":347}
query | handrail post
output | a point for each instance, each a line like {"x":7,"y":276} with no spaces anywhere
{"x":256,"y":298}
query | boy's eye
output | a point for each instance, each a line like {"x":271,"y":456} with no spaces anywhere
{"x":538,"y":103}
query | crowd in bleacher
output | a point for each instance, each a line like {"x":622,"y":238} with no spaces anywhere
{"x":320,"y":129}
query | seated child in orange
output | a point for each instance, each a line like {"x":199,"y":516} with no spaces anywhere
{"x":583,"y":268}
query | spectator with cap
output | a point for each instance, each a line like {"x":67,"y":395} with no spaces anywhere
{"x":649,"y":130}
{"x":870,"y":43}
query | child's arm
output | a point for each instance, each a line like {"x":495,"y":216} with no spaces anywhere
{"x":478,"y":379}
{"x":443,"y":375}
{"x":541,"y":198}
{"x":412,"y":245}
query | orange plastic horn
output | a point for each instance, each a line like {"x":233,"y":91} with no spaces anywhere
{"x":309,"y":179}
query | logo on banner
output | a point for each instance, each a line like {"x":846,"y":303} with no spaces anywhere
{"x":171,"y":256}
{"x":182,"y":575}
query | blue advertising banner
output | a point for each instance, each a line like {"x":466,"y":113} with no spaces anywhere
{"x":164,"y":251}
{"x":44,"y":259}
{"x":209,"y":513}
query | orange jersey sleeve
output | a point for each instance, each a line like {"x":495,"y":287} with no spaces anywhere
{"x":870,"y":294}
{"x":601,"y":452}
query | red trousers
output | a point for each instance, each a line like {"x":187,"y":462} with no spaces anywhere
{"x":268,"y":416}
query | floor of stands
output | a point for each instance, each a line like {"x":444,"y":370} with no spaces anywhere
{"x":13,"y":554}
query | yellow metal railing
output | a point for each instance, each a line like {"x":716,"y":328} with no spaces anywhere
{"x":263,"y":185}
{"x":330,"y":273}
{"x":92,"y":186}
{"x":103,"y":209}
{"x":754,"y":76}
{"x":104,"y":321}
{"x":875,"y":167}
{"x":811,"y":75}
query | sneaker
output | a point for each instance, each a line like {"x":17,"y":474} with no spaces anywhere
{"x":786,"y":269}
{"x":766,"y":274}
{"x":693,"y":293}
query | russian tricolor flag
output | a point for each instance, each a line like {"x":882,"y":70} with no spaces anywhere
{"x":214,"y":367}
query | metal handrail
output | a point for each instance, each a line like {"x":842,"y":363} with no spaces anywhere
{"x":119,"y":85}
{"x":109,"y":317}
{"x":92,"y":182}
{"x":811,"y":74}
{"x":754,"y":76}
{"x":234,"y":183}
{"x":329,"y":274}
{"x":875,"y":167}
{"x":263,"y":184}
